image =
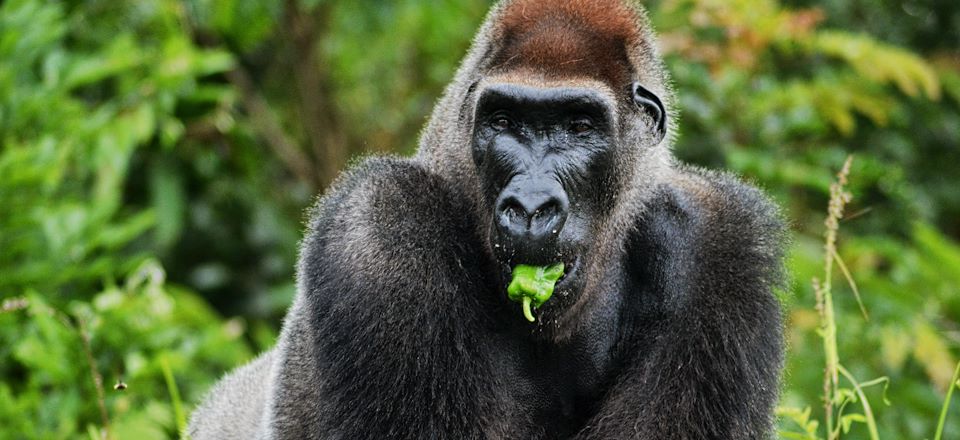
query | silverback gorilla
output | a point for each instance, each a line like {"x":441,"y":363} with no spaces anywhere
{"x":551,"y":145}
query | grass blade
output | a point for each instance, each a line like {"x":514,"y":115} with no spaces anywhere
{"x":181,"y":417}
{"x":853,"y":285}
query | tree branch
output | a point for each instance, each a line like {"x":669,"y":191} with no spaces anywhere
{"x":316,"y":109}
{"x":267,"y":126}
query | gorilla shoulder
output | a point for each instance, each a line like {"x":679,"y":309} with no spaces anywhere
{"x":729,"y":214}
{"x":716,"y":228}
{"x":384,"y":219}
{"x":385,"y":213}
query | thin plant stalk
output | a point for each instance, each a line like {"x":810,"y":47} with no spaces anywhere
{"x":828,"y":324}
{"x":954,"y":383}
{"x":867,"y":411}
{"x":95,"y":375}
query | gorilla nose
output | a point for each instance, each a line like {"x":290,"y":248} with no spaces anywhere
{"x":531,"y":214}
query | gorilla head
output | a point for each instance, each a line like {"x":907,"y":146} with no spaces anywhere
{"x":564,"y":133}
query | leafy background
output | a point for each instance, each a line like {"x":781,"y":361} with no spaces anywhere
{"x":156,"y":159}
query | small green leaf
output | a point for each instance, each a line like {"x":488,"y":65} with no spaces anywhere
{"x":848,"y":420}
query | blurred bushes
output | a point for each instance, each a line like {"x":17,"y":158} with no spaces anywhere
{"x":135,"y":331}
{"x":775,"y":95}
{"x":156,"y":157}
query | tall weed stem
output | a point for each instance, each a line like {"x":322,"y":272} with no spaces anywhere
{"x":828,"y":325}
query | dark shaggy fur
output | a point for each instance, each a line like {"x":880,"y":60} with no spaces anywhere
{"x":400,"y":329}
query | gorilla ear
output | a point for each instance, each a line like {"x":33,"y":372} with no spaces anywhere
{"x":651,"y":105}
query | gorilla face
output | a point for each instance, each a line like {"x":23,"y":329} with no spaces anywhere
{"x":542,"y":155}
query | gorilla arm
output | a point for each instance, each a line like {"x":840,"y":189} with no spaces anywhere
{"x":233,"y":409}
{"x":384,"y":339}
{"x":706,"y":343}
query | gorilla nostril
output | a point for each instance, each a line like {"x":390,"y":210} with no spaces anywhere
{"x":512,"y":209}
{"x":546,"y":211}
{"x":531,"y":214}
{"x":516,"y":213}
{"x":548,"y":218}
{"x":512,"y":216}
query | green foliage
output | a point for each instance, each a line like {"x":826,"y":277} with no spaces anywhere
{"x":771,"y":93}
{"x":73,"y":112}
{"x":156,"y":158}
{"x":77,"y":108}
{"x":138,"y":332}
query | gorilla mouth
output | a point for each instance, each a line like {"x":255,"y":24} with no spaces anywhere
{"x":571,"y":266}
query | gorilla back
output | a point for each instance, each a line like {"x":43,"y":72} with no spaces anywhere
{"x":551,"y":145}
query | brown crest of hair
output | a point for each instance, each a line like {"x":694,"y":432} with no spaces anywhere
{"x":569,"y":38}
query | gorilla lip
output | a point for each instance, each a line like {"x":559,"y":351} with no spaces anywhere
{"x":569,"y":270}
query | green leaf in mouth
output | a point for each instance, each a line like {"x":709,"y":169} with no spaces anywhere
{"x":533,"y":285}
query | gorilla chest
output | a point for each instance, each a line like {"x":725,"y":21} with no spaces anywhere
{"x":559,"y":386}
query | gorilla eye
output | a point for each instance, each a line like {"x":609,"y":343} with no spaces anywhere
{"x":581,"y":126}
{"x":500,"y":122}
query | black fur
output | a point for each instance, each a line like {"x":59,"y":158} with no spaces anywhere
{"x":419,"y":344}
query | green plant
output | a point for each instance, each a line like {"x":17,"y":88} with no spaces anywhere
{"x":146,"y":334}
{"x":836,"y":396}
{"x":190,"y":135}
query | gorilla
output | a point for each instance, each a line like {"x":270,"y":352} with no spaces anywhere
{"x":551,"y":145}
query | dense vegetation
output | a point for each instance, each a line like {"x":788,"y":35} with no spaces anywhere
{"x":156,"y":159}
